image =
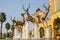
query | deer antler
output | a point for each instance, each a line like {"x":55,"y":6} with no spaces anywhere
{"x":46,"y":7}
{"x":11,"y":18}
{"x":23,"y":7}
{"x":28,"y":6}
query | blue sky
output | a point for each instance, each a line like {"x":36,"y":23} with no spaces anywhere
{"x":14,"y":8}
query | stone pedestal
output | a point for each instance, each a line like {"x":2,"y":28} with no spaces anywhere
{"x":25,"y":31}
{"x":17,"y":34}
{"x":36,"y":32}
{"x":48,"y":33}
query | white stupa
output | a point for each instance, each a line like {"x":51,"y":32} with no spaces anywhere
{"x":17,"y":34}
{"x":36,"y":31}
{"x":25,"y":31}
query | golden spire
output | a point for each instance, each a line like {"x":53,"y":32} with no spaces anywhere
{"x":50,"y":7}
{"x":53,"y":6}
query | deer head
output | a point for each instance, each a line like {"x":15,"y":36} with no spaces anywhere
{"x":26,"y":10}
{"x":22,"y":14}
{"x":13,"y":20}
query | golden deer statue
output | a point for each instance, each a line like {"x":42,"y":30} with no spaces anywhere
{"x":19,"y":24}
{"x":29,"y":17}
{"x":42,"y":15}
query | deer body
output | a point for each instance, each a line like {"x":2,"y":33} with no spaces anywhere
{"x":19,"y":24}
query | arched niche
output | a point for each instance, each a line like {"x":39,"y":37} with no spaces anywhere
{"x":56,"y":27}
{"x":41,"y":30}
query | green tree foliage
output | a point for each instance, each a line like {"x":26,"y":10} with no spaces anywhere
{"x":7,"y":27}
{"x":4,"y":35}
{"x":12,"y":28}
{"x":2,"y":19}
{"x":10,"y":35}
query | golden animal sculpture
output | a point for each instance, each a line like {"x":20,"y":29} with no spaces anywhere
{"x":29,"y":17}
{"x":19,"y":24}
{"x":42,"y":15}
